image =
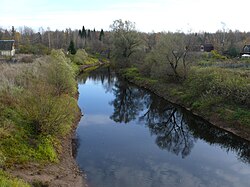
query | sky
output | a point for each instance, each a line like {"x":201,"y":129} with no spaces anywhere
{"x":148,"y":15}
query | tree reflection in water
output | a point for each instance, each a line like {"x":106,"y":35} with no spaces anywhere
{"x":163,"y":119}
{"x":176,"y":130}
{"x":168,"y":124}
{"x":127,"y":103}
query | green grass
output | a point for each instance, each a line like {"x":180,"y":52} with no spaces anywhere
{"x":133,"y":73}
{"x":207,"y":90}
{"x":242,"y":115}
{"x":7,"y":181}
{"x":37,"y":109}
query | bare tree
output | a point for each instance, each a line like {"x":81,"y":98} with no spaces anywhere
{"x":173,"y":50}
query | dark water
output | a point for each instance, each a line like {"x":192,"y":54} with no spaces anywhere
{"x":129,"y":137}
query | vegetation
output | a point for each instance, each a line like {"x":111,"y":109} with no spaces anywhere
{"x":83,"y":58}
{"x":6,"y":181}
{"x":207,"y":91}
{"x":37,"y":104}
{"x":37,"y":109}
{"x":126,"y":41}
{"x":209,"y":83}
{"x":71,"y":48}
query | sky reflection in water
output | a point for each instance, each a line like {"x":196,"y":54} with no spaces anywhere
{"x":131,"y":138}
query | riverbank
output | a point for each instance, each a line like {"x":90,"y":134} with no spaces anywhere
{"x":65,"y":173}
{"x":217,"y":114}
{"x":38,"y":118}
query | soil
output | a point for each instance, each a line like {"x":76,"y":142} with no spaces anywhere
{"x":66,"y":173}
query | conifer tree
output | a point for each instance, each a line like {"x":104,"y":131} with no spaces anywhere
{"x":101,"y":35}
{"x":83,"y":32}
{"x":71,"y":48}
{"x":89,"y":34}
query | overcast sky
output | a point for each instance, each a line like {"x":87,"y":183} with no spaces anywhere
{"x":149,"y":15}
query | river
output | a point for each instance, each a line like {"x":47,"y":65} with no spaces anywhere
{"x":129,"y":137}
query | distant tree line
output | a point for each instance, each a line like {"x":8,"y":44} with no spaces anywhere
{"x":41,"y":41}
{"x":123,"y":34}
{"x":157,"y":54}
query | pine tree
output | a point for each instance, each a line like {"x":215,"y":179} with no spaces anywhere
{"x":80,"y":33}
{"x":89,"y":34}
{"x":71,"y":48}
{"x":83,"y":32}
{"x":101,"y":35}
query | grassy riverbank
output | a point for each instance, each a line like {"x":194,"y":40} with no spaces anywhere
{"x":38,"y":109}
{"x":219,"y":95}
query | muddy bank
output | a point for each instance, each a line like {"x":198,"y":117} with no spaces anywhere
{"x":66,"y":173}
{"x":162,"y":91}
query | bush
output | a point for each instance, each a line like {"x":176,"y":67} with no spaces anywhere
{"x":60,"y":74}
{"x":45,"y":113}
{"x":232,"y":85}
{"x":216,"y":55}
{"x":37,"y":49}
{"x":80,"y":57}
{"x":37,"y":107}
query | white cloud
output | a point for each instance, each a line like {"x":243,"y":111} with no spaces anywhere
{"x":96,"y":119}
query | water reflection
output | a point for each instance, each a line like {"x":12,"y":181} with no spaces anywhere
{"x":104,"y":74}
{"x":175,"y":129}
{"x":131,"y":137}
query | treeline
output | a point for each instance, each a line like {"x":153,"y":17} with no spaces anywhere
{"x":42,"y":41}
{"x":228,"y":42}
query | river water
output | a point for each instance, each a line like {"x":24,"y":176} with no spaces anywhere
{"x":129,"y":137}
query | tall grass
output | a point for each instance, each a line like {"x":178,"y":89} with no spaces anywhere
{"x":37,"y":108}
{"x":232,"y":85}
{"x":225,"y":92}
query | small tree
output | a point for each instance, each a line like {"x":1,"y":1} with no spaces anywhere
{"x":71,"y":48}
{"x":101,"y":35}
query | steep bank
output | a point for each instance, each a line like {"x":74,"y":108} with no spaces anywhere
{"x":38,"y":118}
{"x":65,"y":173}
{"x":175,"y":94}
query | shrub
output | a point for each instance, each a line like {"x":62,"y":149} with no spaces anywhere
{"x":60,"y":74}
{"x":45,"y":113}
{"x":36,"y":108}
{"x":80,"y":57}
{"x":233,"y":86}
{"x":216,"y":55}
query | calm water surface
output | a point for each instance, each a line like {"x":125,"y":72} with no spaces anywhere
{"x":129,"y":137}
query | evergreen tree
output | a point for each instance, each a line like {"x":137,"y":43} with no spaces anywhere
{"x":101,"y":35}
{"x":13,"y":32}
{"x":89,"y":34}
{"x":71,"y":48}
{"x":83,"y":35}
{"x":80,"y":33}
